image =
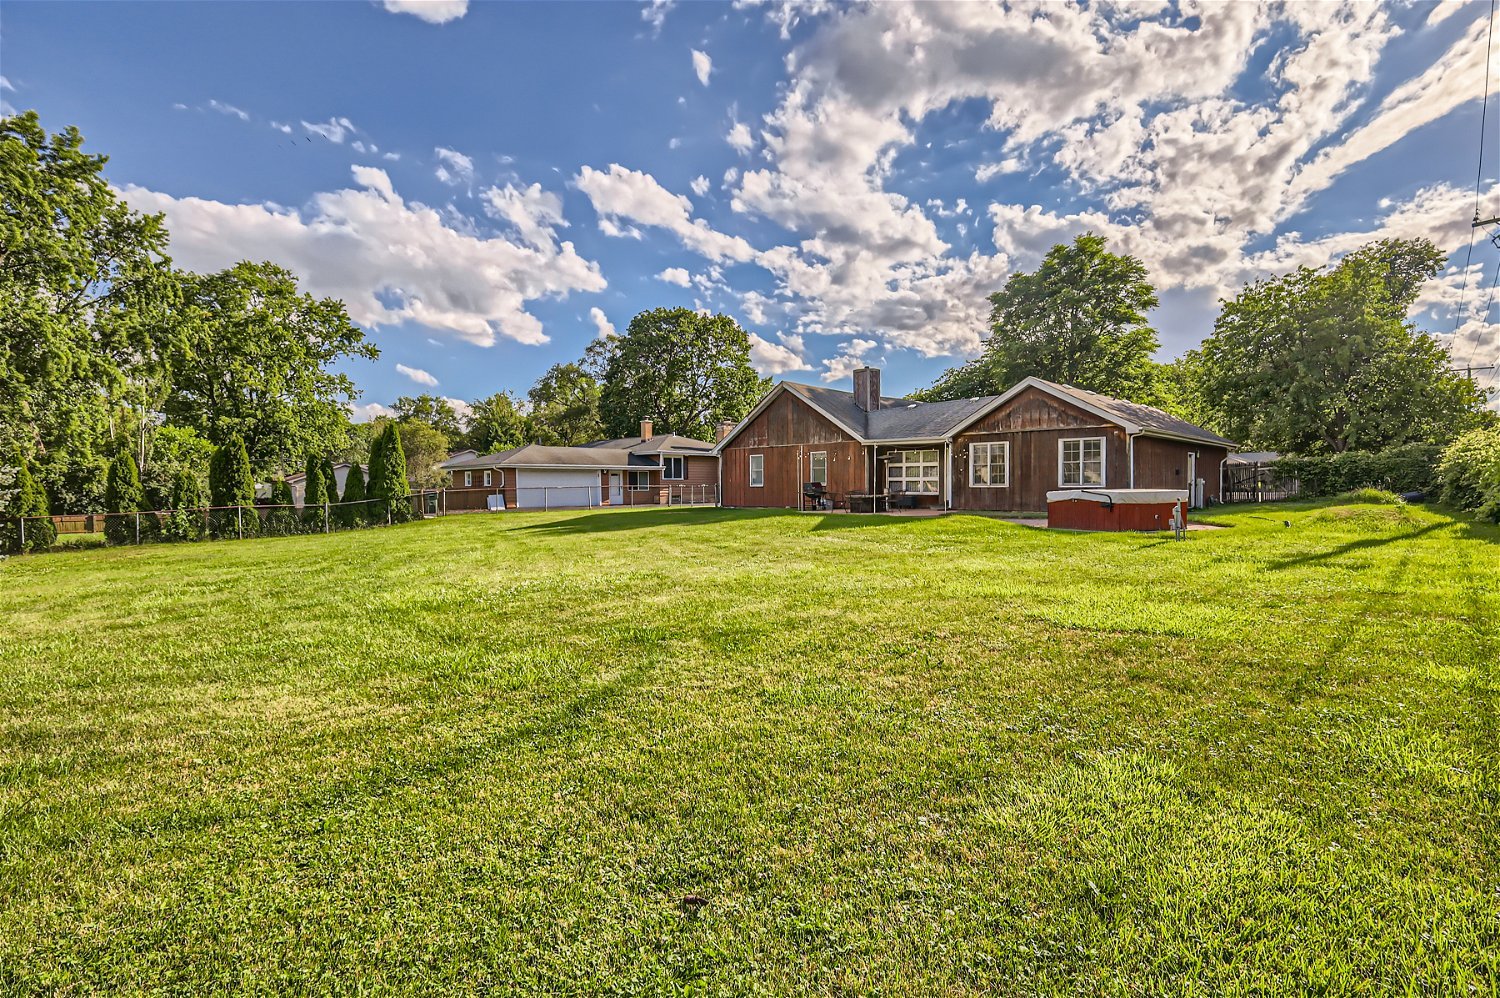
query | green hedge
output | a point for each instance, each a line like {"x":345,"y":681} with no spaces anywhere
{"x":1408,"y":468}
{"x":1470,"y":473}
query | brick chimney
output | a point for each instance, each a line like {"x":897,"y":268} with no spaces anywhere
{"x":722,"y":430}
{"x":645,"y":429}
{"x":867,"y":388}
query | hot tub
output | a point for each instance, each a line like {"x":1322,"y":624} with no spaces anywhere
{"x":1114,"y":509}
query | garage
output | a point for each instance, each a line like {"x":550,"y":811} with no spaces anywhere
{"x":542,"y":488}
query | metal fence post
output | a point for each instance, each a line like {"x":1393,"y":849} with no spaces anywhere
{"x":325,"y":516}
{"x":23,"y":533}
{"x":137,"y":528}
{"x":239,"y":521}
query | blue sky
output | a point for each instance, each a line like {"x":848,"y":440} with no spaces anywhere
{"x":489,"y":185}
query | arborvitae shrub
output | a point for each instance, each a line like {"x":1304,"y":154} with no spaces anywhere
{"x":352,"y":509}
{"x":186,"y":521}
{"x":314,"y":495}
{"x":30,"y":501}
{"x":230,"y":484}
{"x":392,"y":476}
{"x":122,"y":498}
{"x":281,"y":517}
{"x":374,"y":511}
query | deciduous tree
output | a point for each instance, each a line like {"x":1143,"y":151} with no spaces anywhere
{"x":683,"y":370}
{"x":496,"y":424}
{"x":1079,"y":319}
{"x":254,"y":361}
{"x":564,"y":407}
{"x":1326,"y":360}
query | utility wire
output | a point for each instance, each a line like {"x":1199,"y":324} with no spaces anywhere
{"x":1478,"y":183}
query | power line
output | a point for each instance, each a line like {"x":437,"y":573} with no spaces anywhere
{"x":1478,"y":186}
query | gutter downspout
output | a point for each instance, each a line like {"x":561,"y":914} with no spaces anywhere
{"x":948,"y":475}
{"x":1130,"y":450}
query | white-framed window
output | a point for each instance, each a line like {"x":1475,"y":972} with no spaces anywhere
{"x":1080,"y":462}
{"x":638,"y":481}
{"x":989,"y":464}
{"x":817,"y":467}
{"x":488,"y":478}
{"x":757,"y":471}
{"x":913,"y":471}
{"x":674,"y":468}
{"x":468,"y":479}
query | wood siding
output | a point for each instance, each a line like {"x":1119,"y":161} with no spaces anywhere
{"x":1163,"y":464}
{"x":1034,"y":424}
{"x":786,"y":434}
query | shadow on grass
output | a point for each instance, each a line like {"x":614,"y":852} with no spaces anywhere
{"x":642,"y":519}
{"x":1359,"y":545}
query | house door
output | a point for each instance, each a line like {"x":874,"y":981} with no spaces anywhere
{"x":616,"y":489}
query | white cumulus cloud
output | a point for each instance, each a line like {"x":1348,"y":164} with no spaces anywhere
{"x":418,"y":375}
{"x":390,"y":261}
{"x":453,"y":167}
{"x":629,"y":195}
{"x":675,"y":275}
{"x":702,"y":66}
{"x":431,"y":11}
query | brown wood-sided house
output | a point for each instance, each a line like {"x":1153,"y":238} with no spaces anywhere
{"x":647,"y":470}
{"x":1001,"y":452}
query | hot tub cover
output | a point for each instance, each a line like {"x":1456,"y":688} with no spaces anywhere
{"x":1120,"y":496}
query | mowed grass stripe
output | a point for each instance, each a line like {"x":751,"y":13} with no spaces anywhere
{"x":900,"y":756}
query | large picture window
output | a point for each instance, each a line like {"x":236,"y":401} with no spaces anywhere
{"x":674,"y":468}
{"x":913,"y":471}
{"x":638,"y":481}
{"x":817,"y":467}
{"x":1080,"y":462}
{"x":989,"y":465}
{"x":757,"y":471}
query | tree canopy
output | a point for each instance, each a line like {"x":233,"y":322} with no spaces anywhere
{"x":565,"y":407}
{"x":1080,"y":319}
{"x":433,"y":410}
{"x":1326,"y":360}
{"x":254,"y":360}
{"x":681,"y":369}
{"x":495,"y":424}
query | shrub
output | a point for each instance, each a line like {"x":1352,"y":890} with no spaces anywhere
{"x":230,"y":484}
{"x":1374,"y":497}
{"x":186,"y":520}
{"x":1470,"y":473}
{"x":388,"y":476}
{"x":122,"y":498}
{"x":1408,"y":468}
{"x":29,"y":500}
{"x":354,"y":509}
{"x":281,"y":518}
{"x":314,"y":495}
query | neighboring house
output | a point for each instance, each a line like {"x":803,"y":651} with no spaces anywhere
{"x":647,"y":470}
{"x":1000,"y":452}
{"x":298,"y":482}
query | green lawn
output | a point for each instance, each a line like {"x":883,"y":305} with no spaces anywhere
{"x":492,"y":753}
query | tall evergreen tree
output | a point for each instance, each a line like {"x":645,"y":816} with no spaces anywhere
{"x":186,"y":521}
{"x":374,"y":512}
{"x":353,"y":507}
{"x":122,"y":498}
{"x":314,"y":493}
{"x":230,"y":484}
{"x":390,"y":475}
{"x":30,"y":501}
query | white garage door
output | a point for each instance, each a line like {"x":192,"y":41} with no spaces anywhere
{"x":539,"y":489}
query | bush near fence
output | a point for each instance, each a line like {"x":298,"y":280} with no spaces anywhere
{"x":1408,"y":468}
{"x":219,"y":522}
{"x":1470,"y":473}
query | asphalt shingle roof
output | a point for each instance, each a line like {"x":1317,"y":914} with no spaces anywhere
{"x":905,"y":419}
{"x":562,"y":457}
{"x":1148,"y":418}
